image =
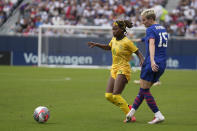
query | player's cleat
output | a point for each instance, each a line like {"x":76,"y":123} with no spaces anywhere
{"x":133,"y":119}
{"x":136,"y":81}
{"x":158,"y":83}
{"x":157,"y":120}
{"x":130,"y":118}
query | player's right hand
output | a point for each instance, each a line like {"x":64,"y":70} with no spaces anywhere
{"x":91,"y":44}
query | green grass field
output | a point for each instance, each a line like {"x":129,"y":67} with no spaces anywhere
{"x":76,"y":100}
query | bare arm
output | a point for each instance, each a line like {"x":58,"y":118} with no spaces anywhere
{"x":154,"y":66}
{"x":102,"y":46}
{"x":140,"y":56}
{"x":136,"y":40}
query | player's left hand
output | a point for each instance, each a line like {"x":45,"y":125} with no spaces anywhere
{"x":154,"y":67}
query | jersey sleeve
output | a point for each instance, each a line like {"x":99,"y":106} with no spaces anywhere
{"x":150,"y":33}
{"x":143,"y":39}
{"x":110,"y":43}
{"x":132,"y":47}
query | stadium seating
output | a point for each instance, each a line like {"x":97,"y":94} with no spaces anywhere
{"x":181,"y":21}
{"x":6,"y":8}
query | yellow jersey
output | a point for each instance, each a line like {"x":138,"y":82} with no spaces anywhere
{"x":121,"y":55}
{"x":122,"y":51}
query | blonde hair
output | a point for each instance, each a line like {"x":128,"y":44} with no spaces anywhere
{"x":149,"y":13}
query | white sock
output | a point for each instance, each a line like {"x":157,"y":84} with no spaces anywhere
{"x":132,"y":111}
{"x":158,"y":114}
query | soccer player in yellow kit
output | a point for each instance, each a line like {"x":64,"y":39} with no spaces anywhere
{"x":122,"y":49}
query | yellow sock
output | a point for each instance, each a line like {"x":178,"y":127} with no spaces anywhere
{"x":119,"y":101}
{"x":109,"y":97}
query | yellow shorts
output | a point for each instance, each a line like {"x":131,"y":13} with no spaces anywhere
{"x":124,"y":71}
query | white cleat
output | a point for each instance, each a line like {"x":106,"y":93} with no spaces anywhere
{"x":158,"y":83}
{"x":130,"y":115}
{"x":128,"y":119}
{"x":157,"y":120}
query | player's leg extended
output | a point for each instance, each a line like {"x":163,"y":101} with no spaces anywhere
{"x":109,"y":90}
{"x":146,"y":85}
{"x":151,"y":102}
{"x":119,"y":86}
{"x":139,"y":99}
{"x":137,"y":102}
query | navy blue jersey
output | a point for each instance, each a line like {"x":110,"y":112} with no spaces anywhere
{"x":159,"y":33}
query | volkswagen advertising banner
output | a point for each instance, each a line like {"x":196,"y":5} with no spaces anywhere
{"x":16,"y":50}
{"x":30,"y":58}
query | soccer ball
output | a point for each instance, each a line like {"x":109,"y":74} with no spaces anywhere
{"x":41,"y":114}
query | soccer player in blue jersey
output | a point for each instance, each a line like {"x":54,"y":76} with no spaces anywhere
{"x":138,"y":81}
{"x":154,"y":64}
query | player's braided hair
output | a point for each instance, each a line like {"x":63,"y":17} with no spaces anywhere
{"x":123,"y":24}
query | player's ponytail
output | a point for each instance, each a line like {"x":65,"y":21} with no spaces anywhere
{"x":123,"y":24}
{"x":128,"y":24}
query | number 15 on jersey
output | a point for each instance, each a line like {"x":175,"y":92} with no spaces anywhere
{"x":163,"y":39}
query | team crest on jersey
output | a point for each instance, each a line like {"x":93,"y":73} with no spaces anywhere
{"x":120,"y":47}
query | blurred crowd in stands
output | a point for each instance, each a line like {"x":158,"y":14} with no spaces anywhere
{"x":6,"y":8}
{"x":181,"y":21}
